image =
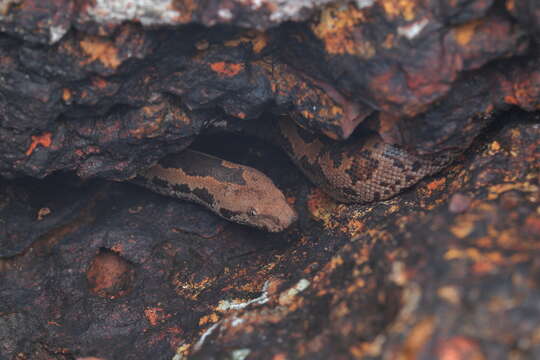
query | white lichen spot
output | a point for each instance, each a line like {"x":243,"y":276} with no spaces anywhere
{"x":225,"y":14}
{"x":148,"y":12}
{"x":256,"y":4}
{"x":206,"y":334}
{"x":360,"y":4}
{"x":237,"y":321}
{"x":412,"y":30}
{"x":56,"y":33}
{"x":225,"y":305}
{"x":287,"y":296}
{"x":240,"y":354}
{"x":302,"y":285}
{"x":291,"y":9}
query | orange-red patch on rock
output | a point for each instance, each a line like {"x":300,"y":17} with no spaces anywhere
{"x":322,"y":208}
{"x":109,"y":275}
{"x":102,"y":50}
{"x":66,"y":94}
{"x":226,"y":69}
{"x":459,"y":348}
{"x":99,"y":82}
{"x":436,"y":184}
{"x":418,"y":337}
{"x":532,"y":225}
{"x":464,"y":33}
{"x":155,"y":315}
{"x":335,"y":28}
{"x":44,"y":140}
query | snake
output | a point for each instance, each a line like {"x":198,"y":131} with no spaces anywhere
{"x":356,"y":171}
{"x":235,"y":192}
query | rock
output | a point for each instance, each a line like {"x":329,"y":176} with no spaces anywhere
{"x":96,"y":91}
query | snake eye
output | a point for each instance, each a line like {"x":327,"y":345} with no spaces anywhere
{"x":252,"y":211}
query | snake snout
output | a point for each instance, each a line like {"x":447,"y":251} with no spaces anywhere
{"x":276,"y":218}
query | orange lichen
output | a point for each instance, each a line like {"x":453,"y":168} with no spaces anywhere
{"x":154,"y":114}
{"x":257,"y":39}
{"x":450,"y":294}
{"x":496,"y":190}
{"x":240,"y":115}
{"x":99,"y":82}
{"x":483,"y":262}
{"x":464,"y":33}
{"x":353,"y":227}
{"x":210,"y":318}
{"x":322,"y":208}
{"x":151,"y":315}
{"x":436,"y":184}
{"x":155,"y":315}
{"x":418,"y":337}
{"x":260,"y":42}
{"x":307,"y":114}
{"x":330,"y":111}
{"x":511,"y":5}
{"x":226,"y":69}
{"x":66,"y":95}
{"x":459,"y":348}
{"x":511,"y":99}
{"x":463,"y":227}
{"x":101,"y":50}
{"x":495,"y":146}
{"x":455,"y":253}
{"x":335,"y":29}
{"x":403,"y":8}
{"x":358,"y":284}
{"x":483,"y":267}
{"x":44,"y":140}
{"x":191,"y":288}
{"x":389,"y":41}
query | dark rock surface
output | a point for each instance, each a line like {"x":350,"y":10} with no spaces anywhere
{"x":409,"y":275}
{"x":93,"y":91}
{"x":109,"y":103}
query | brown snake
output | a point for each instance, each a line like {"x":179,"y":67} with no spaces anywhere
{"x":357,"y":171}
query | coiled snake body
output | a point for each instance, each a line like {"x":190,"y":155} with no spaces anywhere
{"x":352,"y":171}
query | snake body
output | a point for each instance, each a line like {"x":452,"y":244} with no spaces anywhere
{"x":359,"y":171}
{"x":235,"y":192}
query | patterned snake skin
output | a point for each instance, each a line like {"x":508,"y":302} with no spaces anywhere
{"x":358,"y":171}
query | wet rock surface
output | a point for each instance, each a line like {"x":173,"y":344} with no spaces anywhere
{"x":92,"y":92}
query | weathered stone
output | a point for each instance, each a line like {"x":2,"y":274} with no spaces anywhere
{"x":104,"y":270}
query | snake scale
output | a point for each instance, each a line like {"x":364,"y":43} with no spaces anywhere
{"x":359,"y":171}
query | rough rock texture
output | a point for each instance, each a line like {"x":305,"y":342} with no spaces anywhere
{"x":92,"y":91}
{"x":109,"y":103}
{"x":448,"y":269}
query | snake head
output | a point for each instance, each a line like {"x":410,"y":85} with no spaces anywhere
{"x":273,"y":217}
{"x":261,"y":204}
